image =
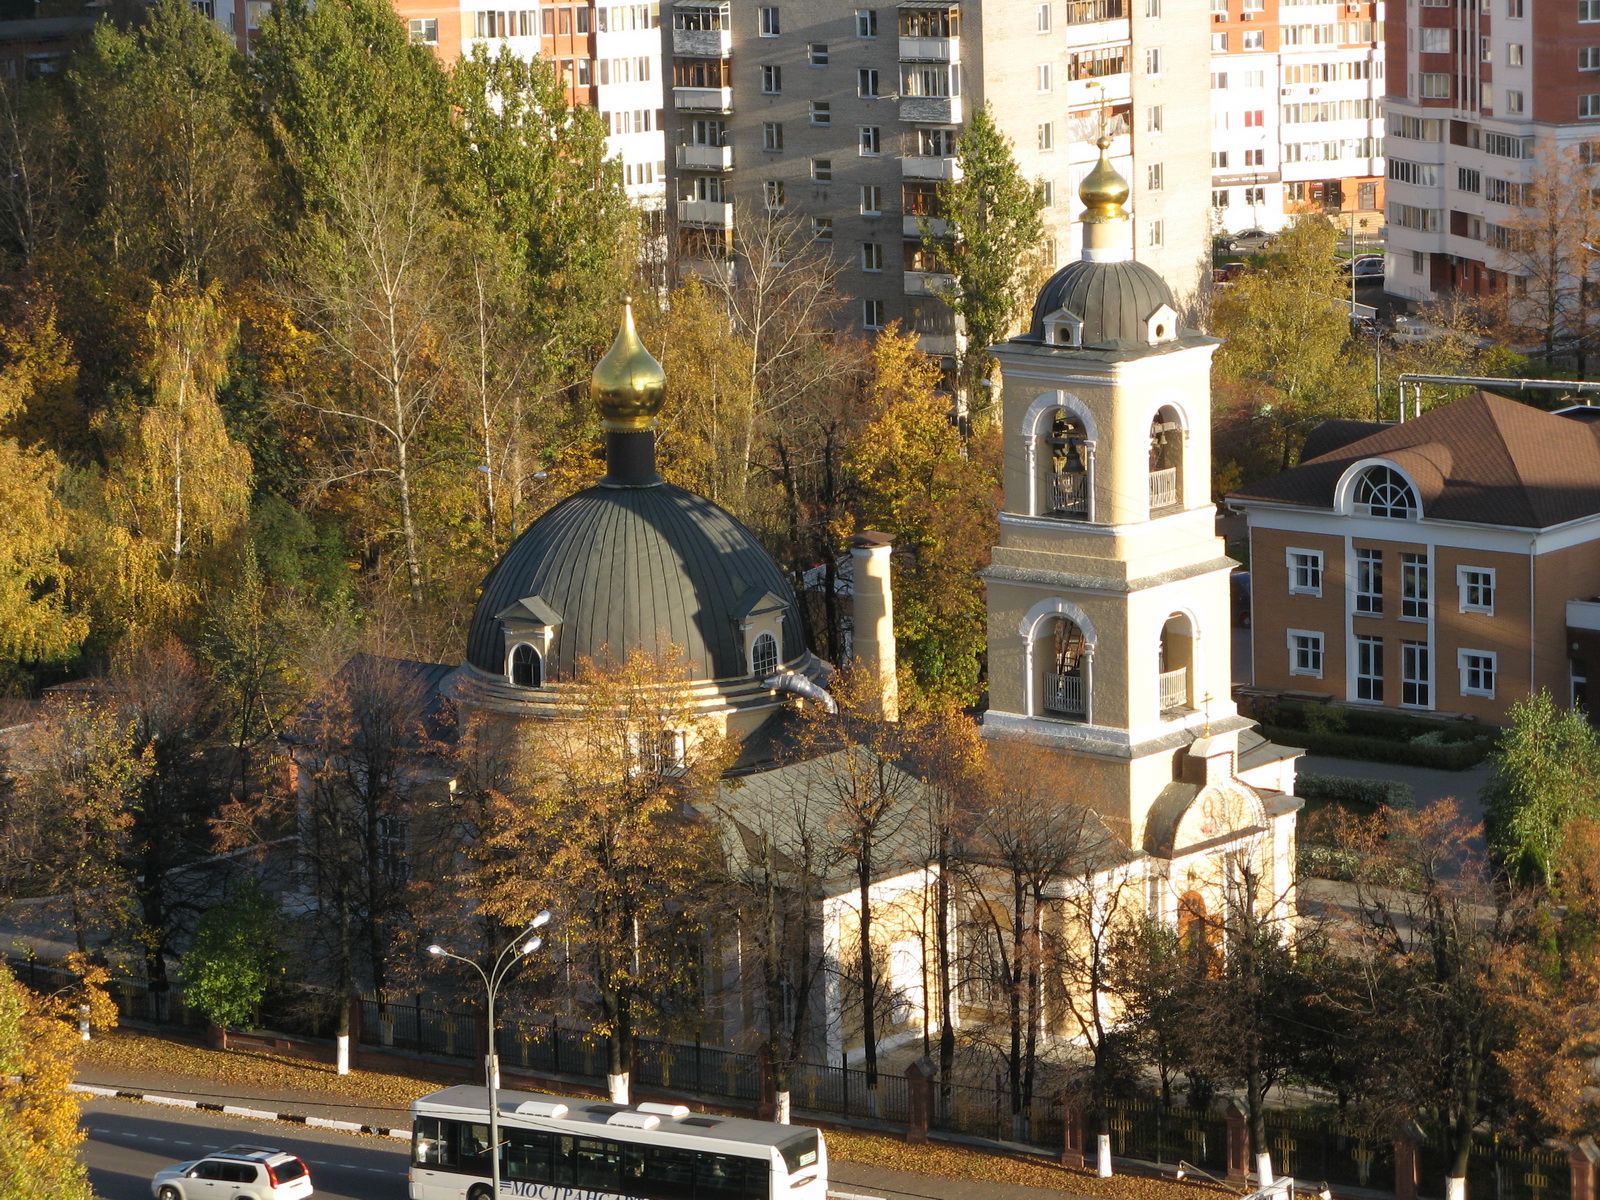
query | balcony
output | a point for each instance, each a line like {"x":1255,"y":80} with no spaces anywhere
{"x":930,"y":49}
{"x":918,"y":167}
{"x":705,"y":158}
{"x":931,"y":110}
{"x":1163,"y":489}
{"x":699,"y":99}
{"x":911,"y":226}
{"x":1174,"y":692}
{"x":1069,"y":495}
{"x":928,"y":283}
{"x":1063,"y":695}
{"x":708,"y":214}
{"x":702,"y":43}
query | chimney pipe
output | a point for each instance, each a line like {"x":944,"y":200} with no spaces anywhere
{"x":872,"y":639}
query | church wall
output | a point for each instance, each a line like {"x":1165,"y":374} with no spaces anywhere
{"x":902,"y":949}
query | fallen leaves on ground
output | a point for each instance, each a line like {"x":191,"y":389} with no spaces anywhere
{"x":141,"y":1054}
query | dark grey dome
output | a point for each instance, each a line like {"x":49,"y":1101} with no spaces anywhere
{"x":1112,"y":299}
{"x":616,"y":567}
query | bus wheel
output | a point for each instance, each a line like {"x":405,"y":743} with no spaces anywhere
{"x":480,"y":1192}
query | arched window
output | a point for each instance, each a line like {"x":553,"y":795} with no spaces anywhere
{"x":764,"y":656}
{"x":527,"y":668}
{"x":1166,"y":461}
{"x":1176,"y":667}
{"x":1064,"y":691}
{"x":1384,"y":492}
{"x":1066,"y":484}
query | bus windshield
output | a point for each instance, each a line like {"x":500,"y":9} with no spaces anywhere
{"x":799,"y":1151}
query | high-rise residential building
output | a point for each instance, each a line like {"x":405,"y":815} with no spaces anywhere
{"x":609,"y":56}
{"x":1478,"y":93}
{"x":850,"y":117}
{"x":1296,"y":112}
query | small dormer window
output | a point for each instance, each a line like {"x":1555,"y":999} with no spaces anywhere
{"x":1384,"y":492}
{"x":527,"y":666}
{"x":764,"y":656}
{"x":1161,"y":325}
{"x":1062,"y":328}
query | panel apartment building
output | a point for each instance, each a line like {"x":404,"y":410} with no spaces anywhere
{"x":1476,"y":92}
{"x":849,"y":117}
{"x":1296,"y":98}
{"x":610,"y":57}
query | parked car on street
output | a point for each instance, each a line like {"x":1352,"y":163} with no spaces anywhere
{"x":1247,"y":239}
{"x":237,"y":1173}
{"x":1365,"y":266}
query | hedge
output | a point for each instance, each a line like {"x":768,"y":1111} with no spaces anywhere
{"x":1374,"y":793}
{"x":1455,"y":756}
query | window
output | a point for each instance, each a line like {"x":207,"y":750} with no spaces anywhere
{"x":1157,"y":233}
{"x":1219,"y":160}
{"x":772,"y":194}
{"x":764,"y":656}
{"x":872,"y":314}
{"x":1513,"y":54}
{"x":1369,"y":581}
{"x":1044,"y":23}
{"x":1436,"y":86}
{"x":1305,"y":653}
{"x":771,"y":80}
{"x":1152,"y":9}
{"x":817,"y":52}
{"x":1415,"y":675}
{"x":1468,"y":179}
{"x":1477,"y":589}
{"x":1513,"y":8}
{"x":1047,"y":135}
{"x":821,"y":113}
{"x":869,"y":140}
{"x":1219,"y":198}
{"x":1255,"y":158}
{"x":871,"y":199}
{"x":1419,"y":261}
{"x":1152,"y":61}
{"x":871,"y":256}
{"x":1254,"y":79}
{"x":1255,"y":118}
{"x":822,"y":228}
{"x":770,"y":26}
{"x":1153,"y":177}
{"x":1046,"y":74}
{"x":822,"y":170}
{"x":1589,"y":58}
{"x":1384,"y":492}
{"x":772,"y":135}
{"x":1152,"y":118}
{"x":527,"y":668}
{"x":1219,"y":80}
{"x":1047,"y":191}
{"x":867,"y":82}
{"x":1305,"y":572}
{"x":1369,"y":669}
{"x":1219,"y":43}
{"x":1588,"y":11}
{"x":1253,"y":39}
{"x":866,"y":22}
{"x":1513,"y":101}
{"x":1589,"y":107}
{"x":1477,"y":672}
{"x":1434,"y":40}
{"x":936,"y":143}
{"x":425,"y":30}
{"x":1414,"y":586}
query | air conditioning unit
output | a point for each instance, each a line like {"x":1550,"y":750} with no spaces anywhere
{"x":1285,"y":91}
{"x":1219,"y":17}
{"x":1247,"y":16}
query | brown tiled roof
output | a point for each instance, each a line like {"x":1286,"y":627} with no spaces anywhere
{"x":1483,"y":459}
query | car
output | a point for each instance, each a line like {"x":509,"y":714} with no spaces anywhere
{"x":237,"y":1173}
{"x":1248,"y":239}
{"x":1365,"y":266}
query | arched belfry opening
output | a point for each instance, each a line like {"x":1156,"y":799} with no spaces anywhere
{"x":1065,"y":659}
{"x":1176,"y":666}
{"x":1068,"y":468}
{"x":1166,"y":461}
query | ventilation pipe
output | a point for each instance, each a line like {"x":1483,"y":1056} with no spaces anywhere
{"x":798,"y":685}
{"x":872,"y":640}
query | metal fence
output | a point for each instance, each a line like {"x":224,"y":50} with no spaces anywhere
{"x":1316,"y":1145}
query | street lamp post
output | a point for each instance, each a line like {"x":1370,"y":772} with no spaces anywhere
{"x":520,"y":947}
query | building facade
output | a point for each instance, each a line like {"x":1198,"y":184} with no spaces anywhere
{"x":1448,"y":564}
{"x":848,"y":118}
{"x":1476,"y":95}
{"x":1296,"y":97}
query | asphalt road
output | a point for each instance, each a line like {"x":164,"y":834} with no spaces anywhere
{"x":129,"y":1141}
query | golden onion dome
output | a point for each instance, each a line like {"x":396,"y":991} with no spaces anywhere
{"x":1103,"y":191}
{"x":628,"y":385}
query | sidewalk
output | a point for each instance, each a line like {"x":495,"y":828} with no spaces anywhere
{"x":128,"y":1061}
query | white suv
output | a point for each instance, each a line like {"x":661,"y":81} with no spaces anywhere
{"x":237,"y":1173}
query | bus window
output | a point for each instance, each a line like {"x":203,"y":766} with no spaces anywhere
{"x":726,"y":1177}
{"x":472,"y":1148}
{"x":598,"y":1165}
{"x":528,"y":1155}
{"x":563,"y":1159}
{"x":672,"y":1173}
{"x":800,"y":1151}
{"x":431,"y":1143}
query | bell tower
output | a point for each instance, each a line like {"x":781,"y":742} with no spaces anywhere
{"x":1108,"y":594}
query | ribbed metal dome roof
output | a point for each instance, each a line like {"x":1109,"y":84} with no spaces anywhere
{"x":625,"y":566}
{"x":1112,"y":299}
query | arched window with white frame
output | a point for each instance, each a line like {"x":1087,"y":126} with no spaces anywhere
{"x":526,"y":667}
{"x":1383,"y":492}
{"x":764,"y":656}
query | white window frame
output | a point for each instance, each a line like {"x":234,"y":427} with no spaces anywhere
{"x":770,"y":23}
{"x":866,"y":23}
{"x":1046,"y":77}
{"x":873,"y":314}
{"x":1045,"y":22}
{"x":869,"y":141}
{"x":1297,"y":652}
{"x":1373,"y":646}
{"x":1416,"y":586}
{"x":1464,"y":661}
{"x":1374,"y":599}
{"x":1463,"y":586}
{"x":1314,"y":568}
{"x":1411,"y":654}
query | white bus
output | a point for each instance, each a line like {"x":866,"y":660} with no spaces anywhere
{"x":559,"y":1148}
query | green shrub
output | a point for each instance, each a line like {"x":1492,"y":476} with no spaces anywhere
{"x":1370,"y":793}
{"x":1457,"y":756}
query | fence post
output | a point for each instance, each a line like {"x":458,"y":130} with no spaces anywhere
{"x":1581,"y":1161}
{"x":1238,"y":1146}
{"x":1071,"y":1135}
{"x":1407,"y":1169}
{"x":919,"y":1099}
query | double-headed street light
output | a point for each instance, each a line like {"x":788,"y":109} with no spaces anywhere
{"x":524,"y":944}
